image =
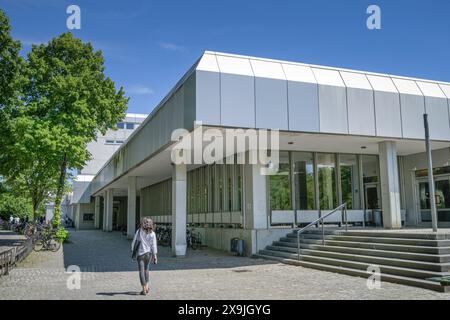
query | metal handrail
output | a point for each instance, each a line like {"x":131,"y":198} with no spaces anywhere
{"x":342,"y":207}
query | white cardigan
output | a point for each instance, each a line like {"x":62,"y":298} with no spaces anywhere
{"x":148,"y":242}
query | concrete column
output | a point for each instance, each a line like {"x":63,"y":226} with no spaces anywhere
{"x":390,"y":189}
{"x":255,"y":198}
{"x":179,"y":210}
{"x":77,"y":216}
{"x":109,"y":209}
{"x":131,"y":209}
{"x":141,"y":203}
{"x":97,"y":212}
{"x":105,"y":206}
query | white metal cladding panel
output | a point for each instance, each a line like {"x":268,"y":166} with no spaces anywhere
{"x":271,"y":103}
{"x":438,"y":118}
{"x":299,"y":73}
{"x":446,"y":89}
{"x":186,"y":114}
{"x":237,"y":100}
{"x":267,"y":69}
{"x":407,"y":86}
{"x":333,"y":109}
{"x":163,"y":120}
{"x":303,"y":102}
{"x":208,"y":97}
{"x":209,"y":218}
{"x":208,"y":62}
{"x":328,"y":77}
{"x":355,"y":80}
{"x":361,"y":111}
{"x":413,"y":108}
{"x":234,"y":65}
{"x":217,"y":217}
{"x":380,"y":83}
{"x":387,"y":114}
{"x":431,"y":89}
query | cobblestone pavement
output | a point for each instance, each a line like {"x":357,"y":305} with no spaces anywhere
{"x":109,"y":273}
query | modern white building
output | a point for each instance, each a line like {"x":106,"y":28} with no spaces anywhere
{"x":76,"y":205}
{"x":345,"y":136}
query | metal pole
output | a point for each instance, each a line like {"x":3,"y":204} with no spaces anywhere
{"x":346,"y":219}
{"x":298,"y":245}
{"x":323,"y":233}
{"x":430,"y":175}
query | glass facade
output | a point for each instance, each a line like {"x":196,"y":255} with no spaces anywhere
{"x":303,"y":176}
{"x":349,"y":178}
{"x":280,"y":185}
{"x":215,"y":188}
{"x":326,"y":171}
{"x":350,"y":183}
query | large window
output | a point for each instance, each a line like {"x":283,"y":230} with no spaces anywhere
{"x":280,"y":185}
{"x":350,"y":180}
{"x":326,"y":170}
{"x":303,"y":180}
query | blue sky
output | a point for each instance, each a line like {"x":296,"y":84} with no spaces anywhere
{"x":149,"y":45}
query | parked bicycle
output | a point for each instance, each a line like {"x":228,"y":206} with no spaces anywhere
{"x":46,"y":240}
{"x":193,"y":239}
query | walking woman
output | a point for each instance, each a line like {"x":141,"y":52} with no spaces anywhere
{"x":145,"y":249}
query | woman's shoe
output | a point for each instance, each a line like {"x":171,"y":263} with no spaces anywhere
{"x":143,"y":293}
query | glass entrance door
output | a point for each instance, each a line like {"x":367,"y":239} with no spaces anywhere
{"x":372,"y":198}
{"x":442,"y":193}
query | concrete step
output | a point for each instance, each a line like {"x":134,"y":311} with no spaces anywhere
{"x":290,"y":241}
{"x":364,"y":257}
{"x":361,"y":265}
{"x":361,"y":273}
{"x":357,"y":238}
{"x":436,"y":258}
{"x":383,"y":234}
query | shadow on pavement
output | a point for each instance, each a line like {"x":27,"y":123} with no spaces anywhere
{"x":97,"y":251}
{"x":111,"y":294}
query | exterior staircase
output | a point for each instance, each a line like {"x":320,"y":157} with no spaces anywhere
{"x":409,"y":258}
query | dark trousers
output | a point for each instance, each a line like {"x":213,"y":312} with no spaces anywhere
{"x":143,"y":263}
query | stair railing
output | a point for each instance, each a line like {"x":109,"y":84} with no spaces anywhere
{"x":342,"y":207}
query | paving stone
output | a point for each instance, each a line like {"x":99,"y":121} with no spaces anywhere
{"x":109,"y":273}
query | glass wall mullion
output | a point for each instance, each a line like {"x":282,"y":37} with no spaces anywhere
{"x":316,"y":184}
{"x":338,"y":179}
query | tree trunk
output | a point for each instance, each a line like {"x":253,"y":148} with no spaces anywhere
{"x":35,"y":211}
{"x":56,"y":221}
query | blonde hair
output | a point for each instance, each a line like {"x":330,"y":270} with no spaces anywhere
{"x":146,"y":223}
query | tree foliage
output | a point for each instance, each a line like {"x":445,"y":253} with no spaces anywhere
{"x":52,"y":104}
{"x":67,"y":89}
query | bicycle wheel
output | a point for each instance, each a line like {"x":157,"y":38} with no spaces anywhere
{"x":54,"y":245}
{"x":38,"y":245}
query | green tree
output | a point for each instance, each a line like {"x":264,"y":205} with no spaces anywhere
{"x":30,"y":160}
{"x":25,"y":148}
{"x":13,"y":203}
{"x":10,"y":81}
{"x":68,"y":91}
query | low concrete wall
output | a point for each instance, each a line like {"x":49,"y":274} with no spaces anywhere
{"x":254,"y":240}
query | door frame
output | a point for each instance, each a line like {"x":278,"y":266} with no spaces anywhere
{"x":441,"y":224}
